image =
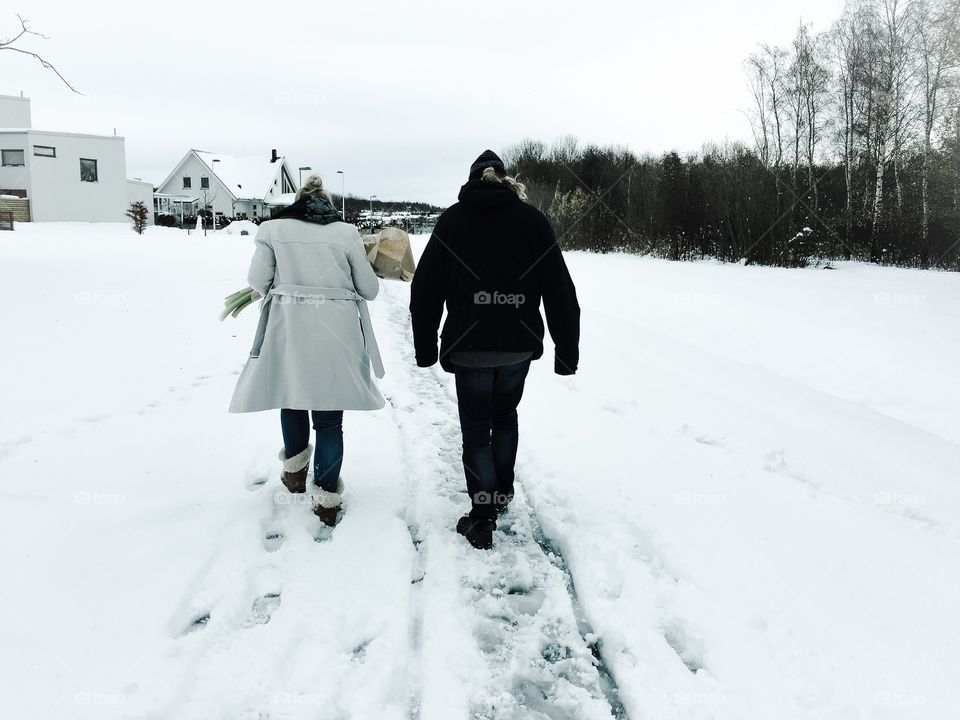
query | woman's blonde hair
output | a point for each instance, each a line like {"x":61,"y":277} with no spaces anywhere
{"x":490,"y":175}
{"x":313,"y":187}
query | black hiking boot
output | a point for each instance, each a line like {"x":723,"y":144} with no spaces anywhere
{"x":478,"y":532}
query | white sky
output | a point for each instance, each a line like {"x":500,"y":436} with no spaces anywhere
{"x":401,"y":96}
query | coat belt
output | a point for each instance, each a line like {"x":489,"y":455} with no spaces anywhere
{"x":318,"y":295}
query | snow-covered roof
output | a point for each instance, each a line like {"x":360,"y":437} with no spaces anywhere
{"x":283,"y":199}
{"x":248,"y":177}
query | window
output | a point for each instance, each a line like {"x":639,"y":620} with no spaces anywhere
{"x":88,"y":170}
{"x":11,"y":157}
{"x":186,"y":182}
{"x":205,"y":182}
{"x":44,"y":151}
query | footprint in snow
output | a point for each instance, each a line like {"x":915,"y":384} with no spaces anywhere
{"x":263,"y":608}
{"x":775,"y":461}
{"x":196,"y":623}
{"x":256,"y":481}
{"x":702,"y":438}
{"x":688,"y":647}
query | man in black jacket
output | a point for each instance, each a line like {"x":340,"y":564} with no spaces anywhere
{"x":491,"y":259}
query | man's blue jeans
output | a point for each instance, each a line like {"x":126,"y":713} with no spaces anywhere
{"x":328,"y":454}
{"x":488,"y":399}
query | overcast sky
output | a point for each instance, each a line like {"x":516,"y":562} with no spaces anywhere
{"x":400,"y":95}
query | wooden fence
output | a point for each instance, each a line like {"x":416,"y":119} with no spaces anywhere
{"x":14,"y":210}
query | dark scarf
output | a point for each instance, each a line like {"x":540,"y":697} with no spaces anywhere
{"x":311,"y":208}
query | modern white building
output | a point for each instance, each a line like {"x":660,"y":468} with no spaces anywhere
{"x":64,"y":175}
{"x":234,"y":187}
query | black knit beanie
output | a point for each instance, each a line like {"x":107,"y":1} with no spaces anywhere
{"x":488,"y":158}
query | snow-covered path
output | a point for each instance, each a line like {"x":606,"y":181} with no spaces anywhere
{"x":744,"y":506}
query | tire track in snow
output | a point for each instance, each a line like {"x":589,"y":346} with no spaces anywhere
{"x":526,"y":653}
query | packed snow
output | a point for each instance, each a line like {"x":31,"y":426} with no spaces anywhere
{"x":744,"y":505}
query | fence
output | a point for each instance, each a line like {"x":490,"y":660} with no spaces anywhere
{"x":13,"y":210}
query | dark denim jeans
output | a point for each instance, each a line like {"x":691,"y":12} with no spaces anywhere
{"x":328,"y":454}
{"x":488,"y":399}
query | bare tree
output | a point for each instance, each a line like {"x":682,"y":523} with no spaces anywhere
{"x":889,"y":84}
{"x":810,"y":78}
{"x":10,"y":44}
{"x":766,"y":72}
{"x":850,"y":48}
{"x":936,"y":23}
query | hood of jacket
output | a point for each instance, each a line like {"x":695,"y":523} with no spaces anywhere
{"x":483,"y":194}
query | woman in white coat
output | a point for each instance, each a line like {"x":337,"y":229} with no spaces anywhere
{"x":314,"y":348}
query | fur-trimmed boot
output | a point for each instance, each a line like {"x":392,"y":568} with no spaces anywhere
{"x":294,"y":475}
{"x":326,"y":505}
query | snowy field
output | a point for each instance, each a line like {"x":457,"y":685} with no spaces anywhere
{"x":745,"y":506}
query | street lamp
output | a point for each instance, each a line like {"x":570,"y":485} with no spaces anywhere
{"x":372,"y":198}
{"x":343,"y":192}
{"x":301,"y":174}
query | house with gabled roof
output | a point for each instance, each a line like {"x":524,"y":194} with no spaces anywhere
{"x":230,"y":185}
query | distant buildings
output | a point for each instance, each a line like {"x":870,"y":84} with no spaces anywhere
{"x":56,"y":175}
{"x":233,"y":187}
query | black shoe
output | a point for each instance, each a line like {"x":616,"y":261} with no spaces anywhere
{"x":504,"y":505}
{"x":478,"y":533}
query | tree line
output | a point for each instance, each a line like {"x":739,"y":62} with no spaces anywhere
{"x":855,"y":155}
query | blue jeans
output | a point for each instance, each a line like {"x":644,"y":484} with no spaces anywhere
{"x":488,"y":400}
{"x":328,"y":454}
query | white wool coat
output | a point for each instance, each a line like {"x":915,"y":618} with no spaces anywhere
{"x":314,"y":346}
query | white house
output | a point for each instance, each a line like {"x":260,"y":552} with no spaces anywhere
{"x":235,"y":187}
{"x":64,"y":175}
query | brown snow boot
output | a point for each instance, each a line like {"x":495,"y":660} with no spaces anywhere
{"x":327,"y":505}
{"x":294,"y":475}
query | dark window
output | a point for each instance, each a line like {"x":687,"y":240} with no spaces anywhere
{"x":44,"y":151}
{"x":186,"y":182}
{"x":204,"y":182}
{"x":88,"y":170}
{"x":11,"y":157}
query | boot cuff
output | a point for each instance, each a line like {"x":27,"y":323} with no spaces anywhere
{"x":324,"y":498}
{"x":298,"y":462}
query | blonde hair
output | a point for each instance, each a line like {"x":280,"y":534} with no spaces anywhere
{"x":313,"y":187}
{"x":490,"y":175}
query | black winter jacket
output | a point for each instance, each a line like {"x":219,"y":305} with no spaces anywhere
{"x":491,"y":259}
